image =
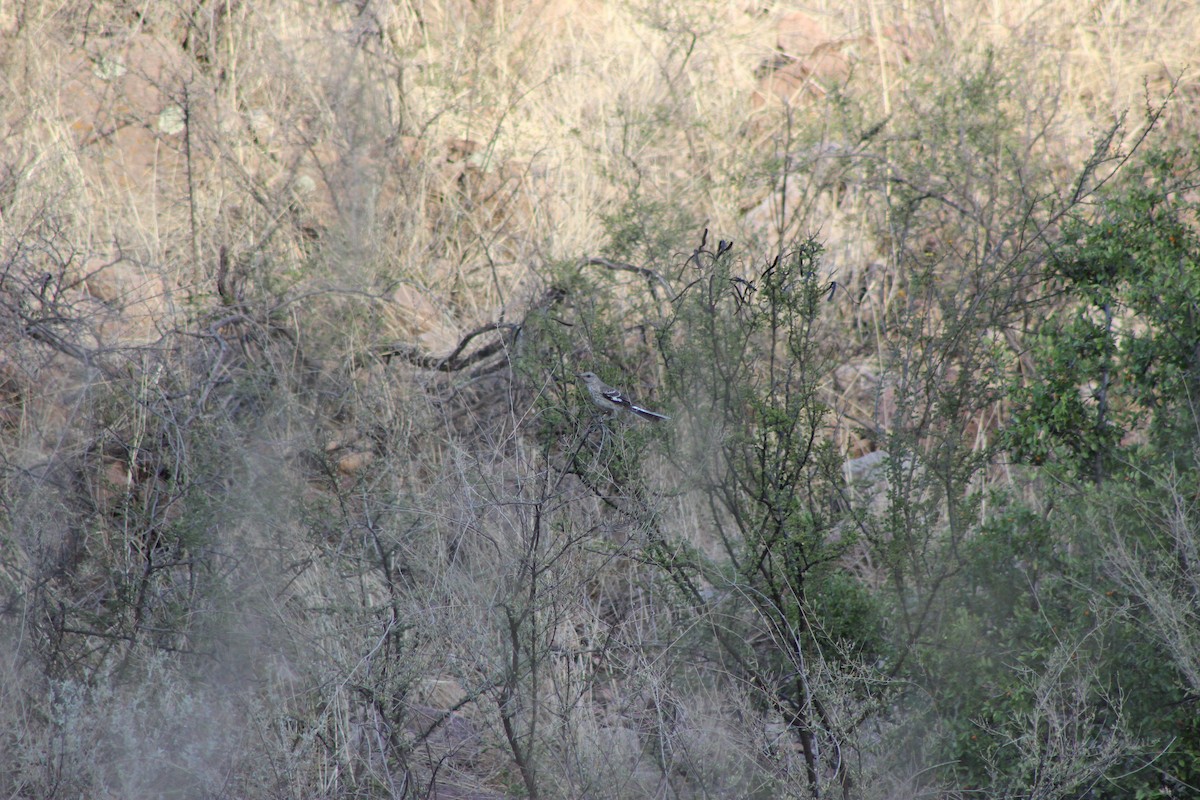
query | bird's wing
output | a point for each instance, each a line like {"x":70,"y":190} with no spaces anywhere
{"x":615,"y":396}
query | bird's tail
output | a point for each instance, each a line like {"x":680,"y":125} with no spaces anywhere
{"x":646,"y":413}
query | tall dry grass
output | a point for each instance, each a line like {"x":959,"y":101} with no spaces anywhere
{"x":239,"y":202}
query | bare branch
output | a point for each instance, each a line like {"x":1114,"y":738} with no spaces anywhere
{"x":620,"y":266}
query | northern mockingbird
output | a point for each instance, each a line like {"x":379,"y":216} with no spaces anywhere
{"x":613,"y":400}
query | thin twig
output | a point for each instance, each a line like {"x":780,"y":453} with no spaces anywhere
{"x":620,"y":266}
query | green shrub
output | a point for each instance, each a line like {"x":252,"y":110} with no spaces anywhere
{"x":1117,"y":363}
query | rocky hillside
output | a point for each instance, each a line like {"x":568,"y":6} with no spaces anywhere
{"x":300,"y":496}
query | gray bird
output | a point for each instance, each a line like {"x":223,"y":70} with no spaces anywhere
{"x":614,"y":400}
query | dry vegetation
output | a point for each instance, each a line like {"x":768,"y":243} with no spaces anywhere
{"x":297,"y":498}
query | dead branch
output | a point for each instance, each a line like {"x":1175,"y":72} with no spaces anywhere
{"x":455,"y":360}
{"x":645,"y":272}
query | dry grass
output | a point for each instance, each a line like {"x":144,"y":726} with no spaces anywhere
{"x":217,"y":184}
{"x":566,"y":109}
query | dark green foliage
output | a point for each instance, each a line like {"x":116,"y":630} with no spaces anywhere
{"x":1076,"y":621}
{"x":1118,"y":359}
{"x":1004,"y":615}
{"x":1051,"y":660}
